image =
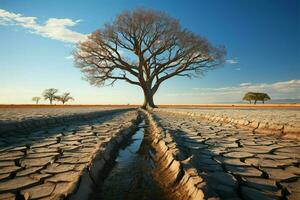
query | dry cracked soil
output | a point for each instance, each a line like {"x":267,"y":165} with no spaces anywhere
{"x":128,"y":155}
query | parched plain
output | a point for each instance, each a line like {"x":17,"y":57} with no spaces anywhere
{"x":59,"y":153}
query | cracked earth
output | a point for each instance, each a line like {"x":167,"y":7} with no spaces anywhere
{"x":236,"y":163}
{"x":67,"y":160}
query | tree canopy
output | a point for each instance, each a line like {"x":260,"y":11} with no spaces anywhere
{"x":145,"y":48}
{"x":256,"y":96}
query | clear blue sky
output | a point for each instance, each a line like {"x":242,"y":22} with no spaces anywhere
{"x":262,"y":38}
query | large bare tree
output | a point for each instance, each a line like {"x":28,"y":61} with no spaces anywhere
{"x":145,"y":48}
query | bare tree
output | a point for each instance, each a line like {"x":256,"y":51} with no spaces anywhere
{"x":36,"y":99}
{"x":49,"y":94}
{"x":145,"y":48}
{"x":65,"y":97}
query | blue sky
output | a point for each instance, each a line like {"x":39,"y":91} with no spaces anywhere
{"x":262,"y":39}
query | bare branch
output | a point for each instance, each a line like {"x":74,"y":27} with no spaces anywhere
{"x":145,"y":48}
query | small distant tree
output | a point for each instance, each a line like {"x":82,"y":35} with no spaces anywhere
{"x":50,"y":94}
{"x":249,"y":96}
{"x":65,"y":97}
{"x":36,"y":99}
{"x":263,"y":97}
{"x":256,"y":96}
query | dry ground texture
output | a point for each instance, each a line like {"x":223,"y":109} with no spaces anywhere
{"x":230,"y":158}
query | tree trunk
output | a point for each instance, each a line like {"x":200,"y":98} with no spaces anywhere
{"x":263,"y":102}
{"x":148,"y":99}
{"x":255,"y":101}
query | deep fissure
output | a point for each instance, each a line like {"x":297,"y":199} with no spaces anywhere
{"x":131,"y":173}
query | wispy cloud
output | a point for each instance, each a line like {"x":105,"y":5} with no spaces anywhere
{"x":54,"y":28}
{"x":283,"y":86}
{"x":245,"y":84}
{"x":277,"y":90}
{"x":232,"y":61}
{"x":70,"y":57}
